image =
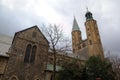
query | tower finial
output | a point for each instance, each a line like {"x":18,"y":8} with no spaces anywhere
{"x":88,"y":14}
{"x":87,"y":8}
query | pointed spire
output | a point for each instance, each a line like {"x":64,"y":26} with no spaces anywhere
{"x":75,"y":25}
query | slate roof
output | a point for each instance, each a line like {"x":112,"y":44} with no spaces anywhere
{"x":83,"y":54}
{"x":75,"y":25}
{"x":5,"y":44}
{"x":4,"y":55}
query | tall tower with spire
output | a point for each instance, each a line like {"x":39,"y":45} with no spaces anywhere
{"x":76,"y":36}
{"x":91,"y":46}
{"x":93,"y":36}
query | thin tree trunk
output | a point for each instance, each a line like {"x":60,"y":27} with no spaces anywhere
{"x":54,"y":64}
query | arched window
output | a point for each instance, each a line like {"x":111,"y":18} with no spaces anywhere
{"x":13,"y":78}
{"x":27,"y":53}
{"x":32,"y":58}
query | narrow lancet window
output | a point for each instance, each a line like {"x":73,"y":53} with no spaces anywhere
{"x":27,"y":53}
{"x":32,"y":58}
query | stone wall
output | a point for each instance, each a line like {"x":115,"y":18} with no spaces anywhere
{"x":3,"y":64}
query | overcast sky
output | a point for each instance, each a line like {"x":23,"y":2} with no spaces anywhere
{"x":16,"y":15}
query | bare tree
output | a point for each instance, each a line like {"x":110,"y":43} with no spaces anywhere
{"x":57,"y":42}
{"x":116,"y":66}
{"x":115,"y":63}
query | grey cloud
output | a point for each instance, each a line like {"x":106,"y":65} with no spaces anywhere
{"x":12,"y":21}
{"x":106,"y":12}
{"x":107,"y":15}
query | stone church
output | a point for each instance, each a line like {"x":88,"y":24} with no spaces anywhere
{"x":30,"y":58}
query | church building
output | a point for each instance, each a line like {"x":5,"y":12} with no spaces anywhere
{"x":91,"y":46}
{"x":30,"y":59}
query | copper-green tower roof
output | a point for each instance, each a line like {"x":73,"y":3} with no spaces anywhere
{"x":75,"y":25}
{"x":88,"y":15}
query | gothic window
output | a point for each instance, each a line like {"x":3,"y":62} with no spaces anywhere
{"x":32,"y":58}
{"x":27,"y":53}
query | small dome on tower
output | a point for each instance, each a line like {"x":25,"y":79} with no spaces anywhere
{"x":88,"y":15}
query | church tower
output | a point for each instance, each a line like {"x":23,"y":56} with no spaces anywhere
{"x":93,"y":36}
{"x":76,"y":36}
